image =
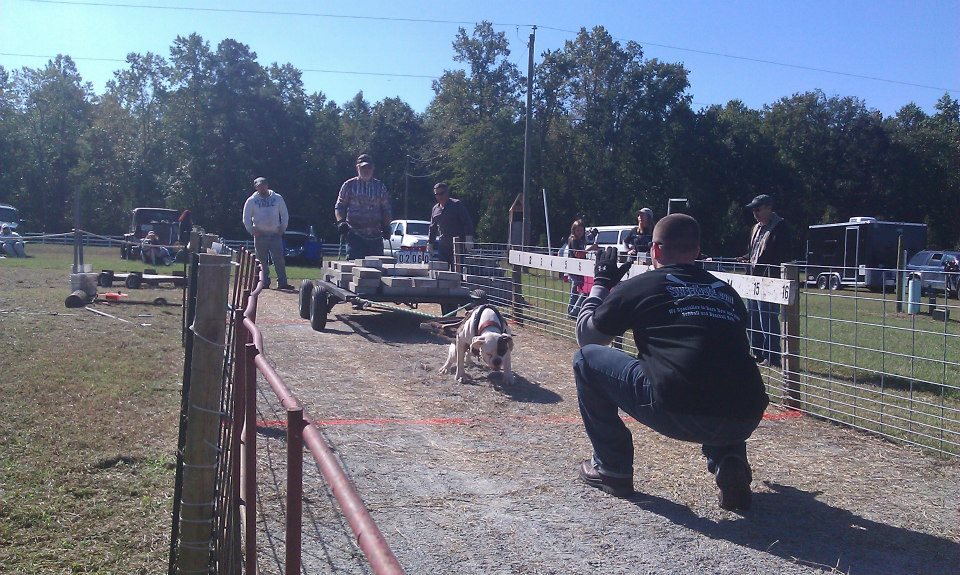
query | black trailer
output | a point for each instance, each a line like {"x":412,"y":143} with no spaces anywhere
{"x":861,"y":252}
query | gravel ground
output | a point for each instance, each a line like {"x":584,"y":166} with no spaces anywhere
{"x":481,"y":477}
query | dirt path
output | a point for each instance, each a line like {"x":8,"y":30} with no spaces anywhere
{"x":480,"y":477}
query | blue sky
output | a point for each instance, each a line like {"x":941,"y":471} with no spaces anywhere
{"x":911,"y":48}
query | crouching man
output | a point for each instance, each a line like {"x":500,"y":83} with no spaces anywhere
{"x":693,"y":379}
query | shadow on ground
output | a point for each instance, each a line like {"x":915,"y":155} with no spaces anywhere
{"x":792,"y":524}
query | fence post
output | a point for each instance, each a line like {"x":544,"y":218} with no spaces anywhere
{"x":791,"y":340}
{"x":203,"y":414}
{"x":293,"y":545}
{"x":238,"y":410}
{"x":516,"y":294}
{"x":249,"y":454}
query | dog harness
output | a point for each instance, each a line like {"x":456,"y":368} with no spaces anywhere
{"x":478,"y":328}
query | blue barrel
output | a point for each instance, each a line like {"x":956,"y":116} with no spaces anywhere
{"x":913,"y":295}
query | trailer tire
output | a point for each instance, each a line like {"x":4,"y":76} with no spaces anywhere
{"x":306,"y":292}
{"x":133,"y":280}
{"x":835,"y":283}
{"x":318,"y":308}
{"x":822,"y":282}
{"x":105,"y":279}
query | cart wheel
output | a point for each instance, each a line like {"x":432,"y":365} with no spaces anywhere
{"x":159,"y":301}
{"x":822,"y":282}
{"x":834,"y":283}
{"x":105,"y":279}
{"x":306,"y":292}
{"x":318,"y":308}
{"x":133,"y":280}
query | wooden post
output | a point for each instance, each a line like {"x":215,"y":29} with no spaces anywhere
{"x":516,"y":294}
{"x":455,"y":264}
{"x":791,"y":341}
{"x":203,"y":414}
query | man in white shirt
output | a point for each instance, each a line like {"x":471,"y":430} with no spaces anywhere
{"x":265,"y":217}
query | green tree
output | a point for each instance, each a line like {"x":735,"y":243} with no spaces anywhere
{"x":54,"y":106}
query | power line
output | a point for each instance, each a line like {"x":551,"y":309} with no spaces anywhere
{"x":771,"y":62}
{"x":264,"y":12}
{"x":52,"y":57}
{"x":317,"y":70}
{"x":464,"y":22}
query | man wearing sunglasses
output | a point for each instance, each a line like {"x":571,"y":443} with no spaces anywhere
{"x":449,"y":219}
{"x":693,"y":378}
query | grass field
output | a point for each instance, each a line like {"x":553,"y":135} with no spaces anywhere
{"x":88,"y":422}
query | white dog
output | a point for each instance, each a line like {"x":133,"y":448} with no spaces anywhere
{"x":484,"y":334}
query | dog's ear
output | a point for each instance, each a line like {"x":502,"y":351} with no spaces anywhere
{"x":504,"y":344}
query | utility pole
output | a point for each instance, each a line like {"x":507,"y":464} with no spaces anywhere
{"x":406,"y":188}
{"x":525,"y":205}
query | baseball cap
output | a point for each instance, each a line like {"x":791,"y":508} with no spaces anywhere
{"x":647,"y":211}
{"x":364,"y":160}
{"x":761,"y":200}
{"x":259,"y":181}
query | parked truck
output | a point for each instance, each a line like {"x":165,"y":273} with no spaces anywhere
{"x":861,"y":252}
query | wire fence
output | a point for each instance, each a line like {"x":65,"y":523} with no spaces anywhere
{"x":885,"y":361}
{"x":229,"y":544}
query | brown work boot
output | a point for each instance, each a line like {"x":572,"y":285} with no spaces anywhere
{"x":616,"y":486}
{"x":733,"y":479}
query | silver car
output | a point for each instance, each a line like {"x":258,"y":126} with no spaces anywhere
{"x":937,"y":270}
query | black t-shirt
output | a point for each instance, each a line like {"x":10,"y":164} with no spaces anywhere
{"x":691,"y":332}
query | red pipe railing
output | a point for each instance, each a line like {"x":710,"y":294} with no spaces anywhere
{"x":300,"y":433}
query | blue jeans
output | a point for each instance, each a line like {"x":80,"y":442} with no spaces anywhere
{"x":765,"y":330}
{"x":608,"y":379}
{"x":359,"y":248}
{"x":576,"y":301}
{"x":271,"y":245}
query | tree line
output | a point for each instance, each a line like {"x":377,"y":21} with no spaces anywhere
{"x":612,"y":131}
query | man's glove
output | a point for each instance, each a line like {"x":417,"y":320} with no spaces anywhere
{"x":607,"y":272}
{"x":343,"y":227}
{"x":385,"y":232}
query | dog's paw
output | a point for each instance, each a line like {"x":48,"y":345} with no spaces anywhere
{"x":446,"y":370}
{"x":462,"y":378}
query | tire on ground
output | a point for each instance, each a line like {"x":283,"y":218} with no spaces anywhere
{"x":133,"y":280}
{"x":318,"y":308}
{"x":306,"y":293}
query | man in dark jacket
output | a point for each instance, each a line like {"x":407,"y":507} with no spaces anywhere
{"x":693,"y":378}
{"x":449,"y":219}
{"x":770,"y":246}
